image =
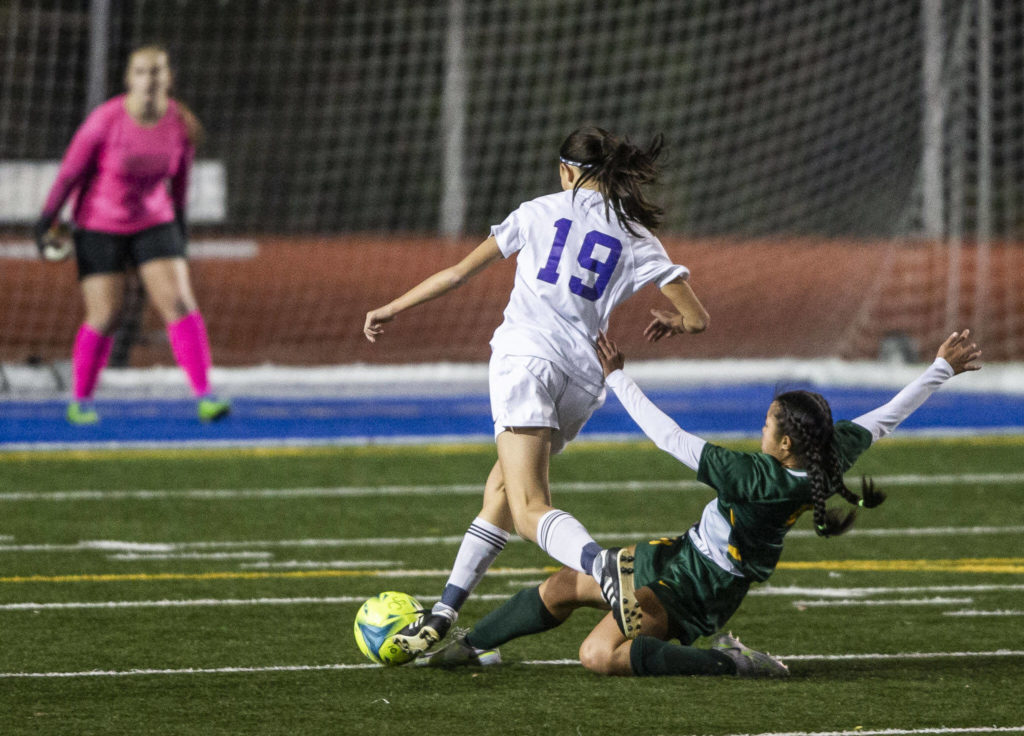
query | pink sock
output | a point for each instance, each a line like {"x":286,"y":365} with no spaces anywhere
{"x":191,"y":349}
{"x":90,"y":354}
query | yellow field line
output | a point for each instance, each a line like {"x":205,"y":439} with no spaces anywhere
{"x":229,"y":575}
{"x":1012,"y":565}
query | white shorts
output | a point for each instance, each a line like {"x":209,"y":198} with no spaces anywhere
{"x":533,"y":392}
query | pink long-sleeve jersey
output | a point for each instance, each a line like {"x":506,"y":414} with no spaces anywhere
{"x":121,"y":169}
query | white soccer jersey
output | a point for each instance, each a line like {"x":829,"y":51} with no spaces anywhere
{"x":575,"y":265}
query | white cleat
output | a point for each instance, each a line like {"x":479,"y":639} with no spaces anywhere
{"x":749,"y":662}
{"x":457,"y":653}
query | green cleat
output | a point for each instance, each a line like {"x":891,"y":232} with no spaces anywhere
{"x":211,"y":410}
{"x":81,"y":414}
{"x":749,"y":662}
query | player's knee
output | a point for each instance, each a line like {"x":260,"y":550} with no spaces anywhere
{"x":104,"y":321}
{"x":560,"y":587}
{"x":179,"y":307}
{"x":596,"y":657}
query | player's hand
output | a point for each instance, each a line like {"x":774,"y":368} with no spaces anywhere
{"x":663,"y":325}
{"x":960,"y":352}
{"x":53,"y":241}
{"x":609,"y":355}
{"x":41,"y":232}
{"x":372,"y":327}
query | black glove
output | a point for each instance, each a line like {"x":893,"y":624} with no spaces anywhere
{"x":42,"y":227}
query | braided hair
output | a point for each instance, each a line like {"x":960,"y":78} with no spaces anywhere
{"x":620,"y":170}
{"x":806,"y":418}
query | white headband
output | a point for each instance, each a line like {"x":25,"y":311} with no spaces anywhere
{"x":569,"y":162}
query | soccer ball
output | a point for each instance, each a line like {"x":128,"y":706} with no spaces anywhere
{"x":380,"y":618}
{"x":57,"y":245}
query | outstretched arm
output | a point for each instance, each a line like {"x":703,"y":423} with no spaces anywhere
{"x":434,"y":286}
{"x":656,"y":424}
{"x":76,"y":164}
{"x":691,"y":316}
{"x":956,"y":355}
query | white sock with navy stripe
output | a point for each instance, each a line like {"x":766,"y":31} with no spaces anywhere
{"x":480,"y":546}
{"x":567,"y":540}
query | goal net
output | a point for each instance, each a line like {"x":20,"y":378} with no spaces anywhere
{"x":840,"y":176}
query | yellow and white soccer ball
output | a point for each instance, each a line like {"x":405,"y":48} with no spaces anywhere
{"x":380,"y":618}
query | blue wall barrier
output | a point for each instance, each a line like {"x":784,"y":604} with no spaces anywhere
{"x":707,"y":411}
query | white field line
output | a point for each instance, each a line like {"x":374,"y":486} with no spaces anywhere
{"x":134,"y":556}
{"x":445,"y":572}
{"x":463,"y":489}
{"x":494,"y":572}
{"x":923,"y":531}
{"x":320,"y":564}
{"x":535,"y":662}
{"x":346,"y":599}
{"x":471,"y":489}
{"x":902,"y":655}
{"x":984,"y":613}
{"x":172,"y":547}
{"x":169,"y":547}
{"x":191,"y":671}
{"x":938,"y":601}
{"x":894,"y":731}
{"x":788,"y":590}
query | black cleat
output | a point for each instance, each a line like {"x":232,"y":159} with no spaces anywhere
{"x":619,"y":590}
{"x":423,"y":633}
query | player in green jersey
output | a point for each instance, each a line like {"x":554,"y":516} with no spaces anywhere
{"x":690,"y":586}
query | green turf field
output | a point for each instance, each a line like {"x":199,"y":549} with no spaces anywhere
{"x":214,"y":593}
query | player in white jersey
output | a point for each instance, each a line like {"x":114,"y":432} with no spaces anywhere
{"x":581,"y":252}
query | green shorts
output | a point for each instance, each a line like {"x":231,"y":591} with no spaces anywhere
{"x":698,"y":596}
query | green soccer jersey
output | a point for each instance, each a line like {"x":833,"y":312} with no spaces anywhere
{"x":761,"y":499}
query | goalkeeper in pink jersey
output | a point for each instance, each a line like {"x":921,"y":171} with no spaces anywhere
{"x":129,"y":164}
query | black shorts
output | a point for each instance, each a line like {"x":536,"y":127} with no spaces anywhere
{"x":98,"y":252}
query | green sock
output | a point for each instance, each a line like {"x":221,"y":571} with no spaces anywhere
{"x":654,"y":657}
{"x":522,"y":614}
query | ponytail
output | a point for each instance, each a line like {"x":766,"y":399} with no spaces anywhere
{"x":620,"y":170}
{"x":807,"y":419}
